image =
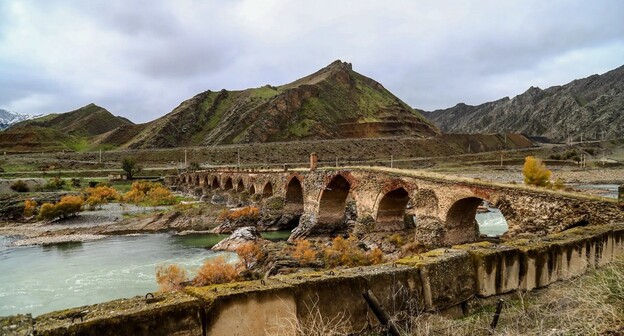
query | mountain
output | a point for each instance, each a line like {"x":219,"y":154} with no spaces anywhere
{"x":8,"y":118}
{"x":72,"y":130}
{"x":587,"y":107}
{"x":334,"y":102}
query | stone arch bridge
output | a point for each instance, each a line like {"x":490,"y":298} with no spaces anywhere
{"x":441,"y":210}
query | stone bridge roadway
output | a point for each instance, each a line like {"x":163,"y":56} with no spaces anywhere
{"x":440,"y":209}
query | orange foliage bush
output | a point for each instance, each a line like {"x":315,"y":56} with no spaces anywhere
{"x":150,"y":193}
{"x":170,"y":278}
{"x":346,"y":252}
{"x":250,"y":254}
{"x":246,"y":212}
{"x":47,"y":211}
{"x":215,"y":271}
{"x":304,"y":253}
{"x":101,"y":195}
{"x":29,"y":208}
{"x":68,"y":206}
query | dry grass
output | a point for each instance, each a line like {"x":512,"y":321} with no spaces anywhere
{"x":589,"y":305}
{"x":246,"y":212}
{"x":316,"y":324}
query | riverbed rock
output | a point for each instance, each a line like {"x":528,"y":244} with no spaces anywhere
{"x":218,"y":199}
{"x":239,"y":237}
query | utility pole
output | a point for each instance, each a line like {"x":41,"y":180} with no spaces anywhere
{"x":185,"y":160}
{"x":238,"y":158}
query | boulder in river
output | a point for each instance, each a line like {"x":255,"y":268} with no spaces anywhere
{"x":241,"y":236}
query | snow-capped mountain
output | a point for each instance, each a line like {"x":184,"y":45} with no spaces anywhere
{"x":8,"y":118}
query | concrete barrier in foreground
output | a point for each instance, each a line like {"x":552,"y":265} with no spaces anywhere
{"x":441,"y":280}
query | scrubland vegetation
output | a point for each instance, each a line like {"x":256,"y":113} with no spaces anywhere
{"x":141,"y":193}
{"x":213,"y":271}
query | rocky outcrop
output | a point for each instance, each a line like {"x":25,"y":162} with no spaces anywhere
{"x":585,"y":107}
{"x":241,"y":236}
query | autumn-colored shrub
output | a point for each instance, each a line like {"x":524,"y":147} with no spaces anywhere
{"x":246,"y":212}
{"x":535,"y":172}
{"x":396,"y":240}
{"x":412,"y":248}
{"x":304,"y":253}
{"x":20,"y":186}
{"x":215,"y":271}
{"x":47,"y":211}
{"x":68,"y":206}
{"x":149,"y":193}
{"x":29,"y":208}
{"x":347,"y":252}
{"x":100,"y":195}
{"x":160,"y":195}
{"x":376,"y":256}
{"x":250,"y":254}
{"x":170,"y":278}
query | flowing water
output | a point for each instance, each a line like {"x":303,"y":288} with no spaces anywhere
{"x":492,"y":223}
{"x":40,"y":279}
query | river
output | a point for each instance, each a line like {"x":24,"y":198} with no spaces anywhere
{"x":40,"y":279}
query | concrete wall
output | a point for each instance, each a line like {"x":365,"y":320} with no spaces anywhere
{"x":437,"y":281}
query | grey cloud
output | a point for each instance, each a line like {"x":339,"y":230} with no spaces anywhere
{"x":430,"y":54}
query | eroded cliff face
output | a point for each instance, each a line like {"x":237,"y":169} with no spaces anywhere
{"x":588,"y":107}
{"x":332,"y":103}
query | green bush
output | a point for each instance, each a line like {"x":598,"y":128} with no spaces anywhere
{"x":20,"y":186}
{"x":55,"y":183}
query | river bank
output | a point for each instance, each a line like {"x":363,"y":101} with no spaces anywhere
{"x":112,"y":219}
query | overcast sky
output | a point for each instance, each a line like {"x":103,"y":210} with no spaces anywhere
{"x":140,"y":59}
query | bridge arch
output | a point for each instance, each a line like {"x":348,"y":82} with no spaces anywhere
{"x":293,"y":200}
{"x":252,"y":189}
{"x":267,"y":191}
{"x":215,"y":183}
{"x":240,"y":186}
{"x":205,"y":182}
{"x":228,"y":183}
{"x":332,"y":204}
{"x":391,"y":210}
{"x":196,"y":181}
